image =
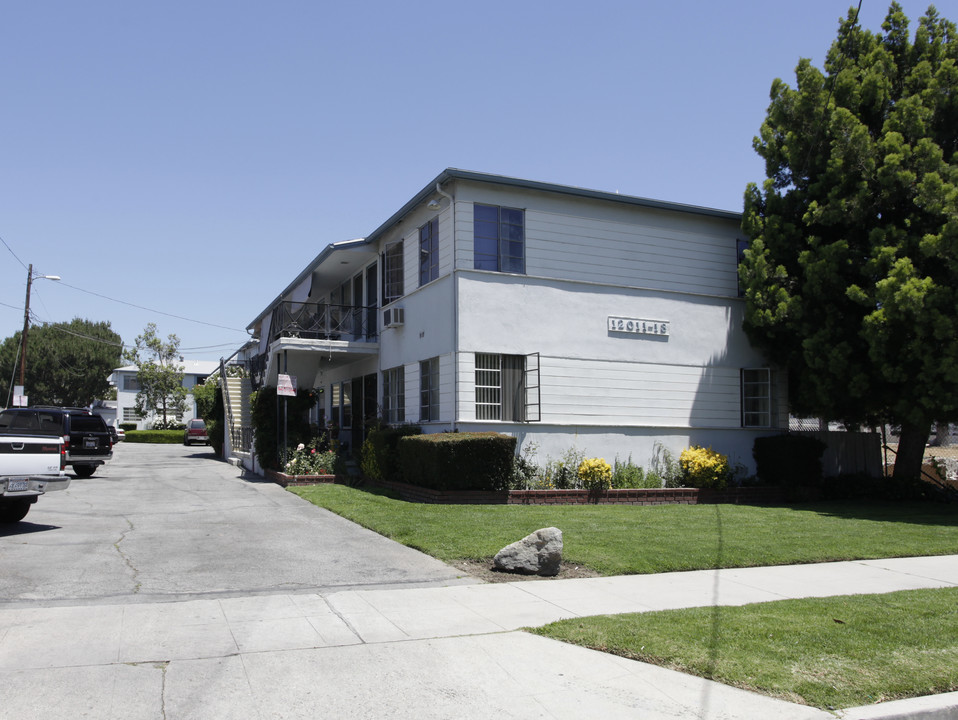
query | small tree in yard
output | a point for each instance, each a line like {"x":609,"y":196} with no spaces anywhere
{"x":159,"y":375}
{"x":851,"y":276}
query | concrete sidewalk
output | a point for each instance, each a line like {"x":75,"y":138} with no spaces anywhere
{"x":424,"y":653}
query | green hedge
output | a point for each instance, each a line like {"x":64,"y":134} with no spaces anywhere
{"x":167,"y":437}
{"x":380,"y":451}
{"x":458,"y":461}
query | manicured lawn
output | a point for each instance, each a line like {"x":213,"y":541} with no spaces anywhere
{"x":832,"y":652}
{"x":622,"y":539}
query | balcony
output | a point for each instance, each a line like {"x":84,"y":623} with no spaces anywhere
{"x":323,"y":321}
{"x":305,"y":337}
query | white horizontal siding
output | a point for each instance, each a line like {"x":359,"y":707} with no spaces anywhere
{"x":575,"y":248}
{"x":638,"y":394}
{"x":628,"y":247}
{"x":624,"y":394}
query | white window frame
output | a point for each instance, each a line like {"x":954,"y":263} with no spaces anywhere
{"x":429,"y":252}
{"x":394,"y":395}
{"x":492,"y":400}
{"x":393,"y":273}
{"x":756,"y":397}
{"x":429,"y":390}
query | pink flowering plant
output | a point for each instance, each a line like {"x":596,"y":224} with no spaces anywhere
{"x":307,"y":460}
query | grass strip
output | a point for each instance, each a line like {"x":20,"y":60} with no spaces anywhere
{"x":632,"y":539}
{"x":831,"y":653}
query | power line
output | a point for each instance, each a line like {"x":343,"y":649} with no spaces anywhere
{"x":152,"y":310}
{"x":11,"y":252}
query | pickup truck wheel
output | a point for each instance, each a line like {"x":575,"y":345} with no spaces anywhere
{"x":12,"y":511}
{"x":84,"y":471}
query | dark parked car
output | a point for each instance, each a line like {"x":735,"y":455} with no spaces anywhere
{"x":86,"y":438}
{"x":196,"y":432}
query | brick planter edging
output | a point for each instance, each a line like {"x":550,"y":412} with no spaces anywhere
{"x":629,"y":496}
{"x":298,"y":480}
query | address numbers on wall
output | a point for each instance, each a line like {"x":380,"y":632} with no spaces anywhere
{"x":638,"y":326}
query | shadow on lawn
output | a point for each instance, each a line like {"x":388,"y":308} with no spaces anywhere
{"x":912,"y":512}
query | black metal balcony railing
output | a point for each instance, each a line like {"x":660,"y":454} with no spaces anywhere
{"x":323,"y":321}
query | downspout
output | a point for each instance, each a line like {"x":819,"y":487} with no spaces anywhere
{"x":455,"y":312}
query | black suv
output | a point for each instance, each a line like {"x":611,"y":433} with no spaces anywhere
{"x":86,"y":439}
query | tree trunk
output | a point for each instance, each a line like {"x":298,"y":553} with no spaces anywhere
{"x":911,"y":450}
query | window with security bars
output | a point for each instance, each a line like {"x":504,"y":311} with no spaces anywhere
{"x":131,"y":382}
{"x":756,"y":397}
{"x":429,"y":252}
{"x":131,"y":415}
{"x":499,"y":238}
{"x":429,"y":390}
{"x":500,"y":387}
{"x":394,"y":395}
{"x":392,"y":273}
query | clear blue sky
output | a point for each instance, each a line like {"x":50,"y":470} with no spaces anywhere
{"x":193,"y":157}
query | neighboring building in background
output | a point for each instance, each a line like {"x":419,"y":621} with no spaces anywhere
{"x":124,"y":379}
{"x":564,"y":316}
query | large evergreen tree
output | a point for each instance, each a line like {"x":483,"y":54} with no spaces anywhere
{"x":67,"y":363}
{"x":851,"y":278}
{"x":160,"y":376}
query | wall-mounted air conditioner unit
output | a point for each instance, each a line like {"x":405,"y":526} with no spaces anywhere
{"x":394,"y":317}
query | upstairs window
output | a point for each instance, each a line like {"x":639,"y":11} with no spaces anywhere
{"x":429,"y":252}
{"x":740,"y":247}
{"x":392,"y":273}
{"x":499,"y":239}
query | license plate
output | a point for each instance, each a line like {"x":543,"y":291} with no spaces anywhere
{"x":18,"y":485}
{"x":89,"y":442}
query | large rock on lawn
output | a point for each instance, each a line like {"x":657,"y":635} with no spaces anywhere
{"x":537,"y":554}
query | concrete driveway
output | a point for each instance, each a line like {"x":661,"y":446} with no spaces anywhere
{"x":168,"y":522}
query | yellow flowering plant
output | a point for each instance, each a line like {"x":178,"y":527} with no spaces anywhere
{"x":704,"y":468}
{"x":595,"y":474}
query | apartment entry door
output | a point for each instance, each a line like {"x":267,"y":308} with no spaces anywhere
{"x":355,"y":404}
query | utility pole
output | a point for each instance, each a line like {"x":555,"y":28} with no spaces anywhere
{"x":26,"y":321}
{"x":26,"y":326}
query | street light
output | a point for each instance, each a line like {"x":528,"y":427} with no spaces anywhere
{"x":26,"y":321}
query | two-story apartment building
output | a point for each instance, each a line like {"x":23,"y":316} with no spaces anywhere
{"x":127,"y":386}
{"x":561,"y":315}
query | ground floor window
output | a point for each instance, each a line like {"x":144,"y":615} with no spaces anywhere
{"x":756,"y":397}
{"x":500,"y":387}
{"x":429,"y":390}
{"x":131,"y":415}
{"x":394,"y":395}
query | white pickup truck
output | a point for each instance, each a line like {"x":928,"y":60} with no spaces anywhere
{"x":29,"y":467}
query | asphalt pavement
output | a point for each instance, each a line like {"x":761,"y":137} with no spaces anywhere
{"x":422,"y":643}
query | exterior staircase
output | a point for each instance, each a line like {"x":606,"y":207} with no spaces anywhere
{"x":240,"y":427}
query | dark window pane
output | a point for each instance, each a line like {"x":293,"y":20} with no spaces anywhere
{"x":486,"y":212}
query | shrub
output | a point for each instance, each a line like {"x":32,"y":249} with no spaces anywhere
{"x":265,"y":410}
{"x":563,"y":473}
{"x":165,"y":437}
{"x":526,"y":475}
{"x":792,"y":460}
{"x":704,"y":468}
{"x":127,"y":426}
{"x":379,"y":456}
{"x":308,"y":460}
{"x":629,"y":475}
{"x":663,"y":470}
{"x":458,"y":461}
{"x":595,"y":474}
